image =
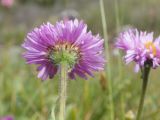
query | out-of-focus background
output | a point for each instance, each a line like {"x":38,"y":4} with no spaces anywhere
{"x":25,"y":97}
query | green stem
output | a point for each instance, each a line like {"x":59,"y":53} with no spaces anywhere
{"x":63,"y":90}
{"x":117,"y":16}
{"x":145,"y":75}
{"x":108,"y":67}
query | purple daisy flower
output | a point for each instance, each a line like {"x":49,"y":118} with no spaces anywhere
{"x":68,"y":41}
{"x":140,"y":47}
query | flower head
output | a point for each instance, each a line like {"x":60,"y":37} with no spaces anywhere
{"x":67,"y":41}
{"x":7,"y":3}
{"x":140,"y":47}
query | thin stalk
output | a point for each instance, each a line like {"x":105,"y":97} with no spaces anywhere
{"x":104,"y":25}
{"x":122,"y":107}
{"x":63,"y":90}
{"x":117,"y":16}
{"x":145,"y":75}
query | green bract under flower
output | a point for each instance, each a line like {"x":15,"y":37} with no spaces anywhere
{"x":64,"y":52}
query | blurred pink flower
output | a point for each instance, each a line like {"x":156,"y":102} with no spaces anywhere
{"x":7,"y":3}
{"x":6,"y":118}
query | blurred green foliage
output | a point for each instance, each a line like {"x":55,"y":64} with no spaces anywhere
{"x":41,"y":2}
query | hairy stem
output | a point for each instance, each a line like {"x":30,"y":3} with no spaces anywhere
{"x":145,"y":75}
{"x":63,"y":90}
